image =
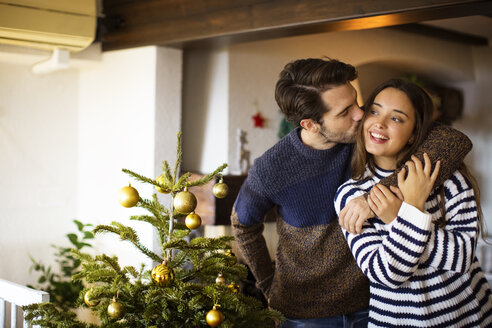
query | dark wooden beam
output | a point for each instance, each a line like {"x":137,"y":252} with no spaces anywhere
{"x":190,"y":23}
{"x":443,"y":34}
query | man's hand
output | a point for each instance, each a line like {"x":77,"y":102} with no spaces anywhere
{"x":354,"y":214}
{"x":385,"y":203}
{"x":417,"y":186}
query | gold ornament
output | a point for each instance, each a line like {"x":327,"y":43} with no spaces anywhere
{"x":193,"y":220}
{"x":184,"y":202}
{"x":235,"y":288}
{"x":128,"y":196}
{"x":231,"y":258}
{"x":116,"y":309}
{"x":220,"y":189}
{"x":214,"y":317}
{"x":220,"y":279}
{"x":162,"y":180}
{"x":162,"y":275}
{"x":89,"y":301}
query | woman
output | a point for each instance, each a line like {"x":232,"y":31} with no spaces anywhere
{"x":419,"y":250}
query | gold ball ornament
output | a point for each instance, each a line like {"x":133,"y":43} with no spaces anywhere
{"x":162,"y":275}
{"x":235,"y":288}
{"x":214,"y":317}
{"x":193,"y":220}
{"x":220,"y":189}
{"x":116,"y":309}
{"x":220,"y":280}
{"x":231,"y":258}
{"x":162,"y":180}
{"x":128,"y":196}
{"x":184,"y":202}
{"x":88,"y":300}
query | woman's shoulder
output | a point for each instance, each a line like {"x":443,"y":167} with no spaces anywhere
{"x":456,"y":184}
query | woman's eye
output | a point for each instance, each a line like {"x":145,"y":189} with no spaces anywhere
{"x":396,"y":119}
{"x":373,"y":112}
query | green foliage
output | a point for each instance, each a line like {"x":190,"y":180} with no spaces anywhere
{"x":63,"y":292}
{"x":185,"y":301}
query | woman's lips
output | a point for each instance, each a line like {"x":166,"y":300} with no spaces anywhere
{"x":377,"y":137}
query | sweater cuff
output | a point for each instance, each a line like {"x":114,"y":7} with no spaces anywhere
{"x":410,"y":213}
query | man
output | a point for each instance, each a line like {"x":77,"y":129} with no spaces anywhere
{"x":315,"y":281}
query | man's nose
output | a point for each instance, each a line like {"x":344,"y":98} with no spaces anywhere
{"x":357,"y":113}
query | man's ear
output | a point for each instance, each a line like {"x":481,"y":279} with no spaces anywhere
{"x":309,"y":125}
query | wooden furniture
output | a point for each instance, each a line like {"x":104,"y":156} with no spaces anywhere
{"x":14,"y":296}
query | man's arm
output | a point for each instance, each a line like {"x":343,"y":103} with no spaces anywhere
{"x":247,"y":219}
{"x":252,"y":245}
{"x":443,"y":143}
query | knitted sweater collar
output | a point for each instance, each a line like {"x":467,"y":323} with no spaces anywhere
{"x":295,"y":138}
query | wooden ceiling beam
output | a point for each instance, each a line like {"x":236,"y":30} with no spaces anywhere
{"x":190,"y":23}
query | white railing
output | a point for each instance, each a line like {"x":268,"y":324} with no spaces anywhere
{"x":17,"y":295}
{"x":484,"y":255}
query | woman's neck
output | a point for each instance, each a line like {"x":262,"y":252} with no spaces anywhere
{"x":386,"y":163}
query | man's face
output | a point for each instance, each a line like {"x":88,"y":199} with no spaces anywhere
{"x":339,"y":124}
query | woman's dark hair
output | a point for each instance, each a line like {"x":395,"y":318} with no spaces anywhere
{"x":301,"y":82}
{"x":423,"y":106}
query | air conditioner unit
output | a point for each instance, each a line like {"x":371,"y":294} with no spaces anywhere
{"x":48,"y":24}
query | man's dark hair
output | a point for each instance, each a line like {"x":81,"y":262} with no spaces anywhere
{"x":301,"y":82}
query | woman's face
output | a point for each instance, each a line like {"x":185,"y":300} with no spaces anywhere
{"x":388,"y":127}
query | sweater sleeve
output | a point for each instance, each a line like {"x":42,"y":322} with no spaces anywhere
{"x":443,"y":143}
{"x":452,"y":247}
{"x":391,"y":260}
{"x":247,"y":224}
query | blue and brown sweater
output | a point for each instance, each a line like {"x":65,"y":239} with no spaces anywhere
{"x":315,"y":274}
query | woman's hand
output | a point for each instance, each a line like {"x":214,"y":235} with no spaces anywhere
{"x":417,"y":186}
{"x":384,"y":203}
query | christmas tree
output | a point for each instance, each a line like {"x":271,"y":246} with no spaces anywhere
{"x":193,"y":286}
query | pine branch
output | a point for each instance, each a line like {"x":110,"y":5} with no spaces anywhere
{"x":139,"y":177}
{"x":179,"y":156}
{"x":167,"y":172}
{"x":127,"y":233}
{"x":182,"y":182}
{"x":208,"y":177}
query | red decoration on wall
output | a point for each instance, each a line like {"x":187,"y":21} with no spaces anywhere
{"x":258,"y":120}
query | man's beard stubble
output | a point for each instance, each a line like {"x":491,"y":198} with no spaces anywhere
{"x":341,"y":137}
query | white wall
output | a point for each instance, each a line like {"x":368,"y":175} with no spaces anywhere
{"x":205,"y":110}
{"x":38,"y":166}
{"x":65,"y":138}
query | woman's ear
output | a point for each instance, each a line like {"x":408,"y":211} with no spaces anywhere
{"x":411,"y":140}
{"x":309,"y":125}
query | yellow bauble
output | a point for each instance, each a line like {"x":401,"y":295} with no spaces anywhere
{"x":220,"y":189}
{"x":231,"y":258}
{"x":88,"y":299}
{"x":184,"y":202}
{"x":128,"y":196}
{"x":193,"y":221}
{"x":235,"y":288}
{"x":162,"y":275}
{"x":220,"y":279}
{"x":162,"y":180}
{"x":214,"y":317}
{"x":116,"y":309}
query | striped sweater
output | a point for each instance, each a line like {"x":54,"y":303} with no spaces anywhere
{"x":422,"y":275}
